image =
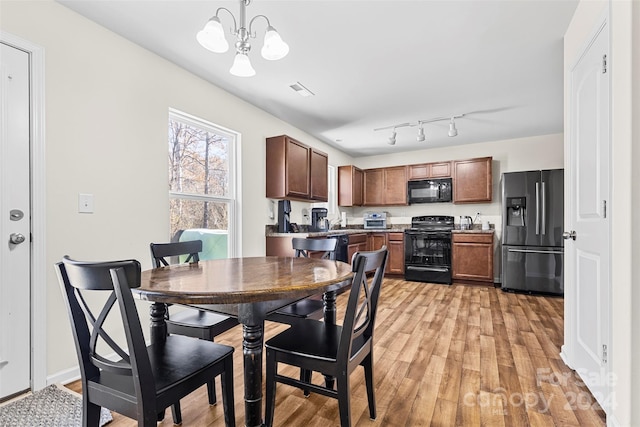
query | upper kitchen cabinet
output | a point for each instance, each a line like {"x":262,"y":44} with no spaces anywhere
{"x":350,"y":185}
{"x":385,"y":186}
{"x":430,"y":170}
{"x":295,"y":171}
{"x":472,"y":180}
{"x":319,"y":175}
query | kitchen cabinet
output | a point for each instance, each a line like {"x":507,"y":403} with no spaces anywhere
{"x":472,"y":257}
{"x":472,"y":180}
{"x":295,"y":171}
{"x":376,"y":241}
{"x":385,"y":186}
{"x":395,"y":244}
{"x":318,"y":175}
{"x":357,"y":243}
{"x":430,"y":170}
{"x":350,"y":186}
{"x":279,"y":246}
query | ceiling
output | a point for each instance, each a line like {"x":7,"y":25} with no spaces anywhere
{"x":374,"y":64}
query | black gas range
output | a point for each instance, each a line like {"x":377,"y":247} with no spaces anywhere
{"x":427,"y":249}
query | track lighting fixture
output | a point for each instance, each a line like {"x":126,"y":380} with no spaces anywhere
{"x":452,"y":128}
{"x":212,"y":38}
{"x":453,"y":131}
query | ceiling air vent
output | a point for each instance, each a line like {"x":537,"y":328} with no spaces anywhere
{"x":301,"y":90}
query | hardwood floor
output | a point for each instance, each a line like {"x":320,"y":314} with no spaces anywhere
{"x":461,"y":355}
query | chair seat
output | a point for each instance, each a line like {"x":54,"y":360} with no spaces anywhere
{"x":303,"y":309}
{"x":176,"y":361}
{"x":321,"y":340}
{"x":199,"y":319}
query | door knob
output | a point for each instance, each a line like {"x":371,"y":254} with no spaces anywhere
{"x":16,"y":238}
{"x":569,"y":235}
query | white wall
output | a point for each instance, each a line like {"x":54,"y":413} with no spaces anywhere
{"x":625,"y":238}
{"x":107,"y":103}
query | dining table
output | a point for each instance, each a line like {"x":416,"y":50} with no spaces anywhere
{"x":246,"y":288}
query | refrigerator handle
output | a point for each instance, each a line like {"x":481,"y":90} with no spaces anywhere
{"x":544,"y":208}
{"x":537,"y":208}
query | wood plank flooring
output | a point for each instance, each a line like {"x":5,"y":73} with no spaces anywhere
{"x":460,"y":355}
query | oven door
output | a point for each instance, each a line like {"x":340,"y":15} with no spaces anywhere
{"x":427,"y":256}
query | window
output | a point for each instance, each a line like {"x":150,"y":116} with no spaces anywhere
{"x":202,"y":187}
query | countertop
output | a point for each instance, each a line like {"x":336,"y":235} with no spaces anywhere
{"x":269,"y":232}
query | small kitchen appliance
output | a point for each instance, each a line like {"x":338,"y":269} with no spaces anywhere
{"x":429,"y":190}
{"x":375,"y":220}
{"x":284,"y":209}
{"x":319,"y":221}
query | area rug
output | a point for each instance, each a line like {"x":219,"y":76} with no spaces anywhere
{"x":53,"y":406}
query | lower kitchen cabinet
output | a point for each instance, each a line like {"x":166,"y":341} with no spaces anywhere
{"x":357,"y":243}
{"x":395,"y":244}
{"x":472,"y":257}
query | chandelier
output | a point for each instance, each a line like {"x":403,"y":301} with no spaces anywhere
{"x":453,"y":131}
{"x":212,"y":37}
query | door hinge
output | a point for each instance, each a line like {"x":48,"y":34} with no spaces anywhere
{"x":604,"y":64}
{"x":604,"y":208}
{"x":604,"y":353}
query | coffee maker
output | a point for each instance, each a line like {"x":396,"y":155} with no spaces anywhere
{"x":284,"y":209}
{"x":319,"y":221}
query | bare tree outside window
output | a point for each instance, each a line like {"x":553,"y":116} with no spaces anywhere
{"x":199,"y":177}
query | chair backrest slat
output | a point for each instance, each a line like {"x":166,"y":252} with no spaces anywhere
{"x":161,"y":251}
{"x":304,"y":247}
{"x":359,"y":319}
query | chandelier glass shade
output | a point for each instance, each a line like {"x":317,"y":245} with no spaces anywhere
{"x":212,"y":37}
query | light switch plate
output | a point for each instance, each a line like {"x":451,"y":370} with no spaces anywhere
{"x":85,"y":203}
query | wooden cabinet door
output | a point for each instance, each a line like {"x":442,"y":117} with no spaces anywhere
{"x":395,"y":186}
{"x":472,"y":257}
{"x":472,"y":180}
{"x":373,"y":187}
{"x":350,"y":184}
{"x":421,"y":171}
{"x":395,"y":244}
{"x":440,"y":170}
{"x":319,"y":163}
{"x":376,"y":241}
{"x":357,"y":243}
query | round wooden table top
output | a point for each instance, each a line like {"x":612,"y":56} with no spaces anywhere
{"x":241,"y":280}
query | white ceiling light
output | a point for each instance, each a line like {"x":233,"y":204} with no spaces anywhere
{"x":421,"y":137}
{"x":392,"y":138}
{"x":212,"y":37}
{"x":452,"y":128}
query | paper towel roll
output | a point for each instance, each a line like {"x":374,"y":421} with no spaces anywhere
{"x":343,"y":219}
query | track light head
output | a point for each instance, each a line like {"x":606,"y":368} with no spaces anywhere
{"x":392,"y":138}
{"x":421,"y":137}
{"x":452,"y":128}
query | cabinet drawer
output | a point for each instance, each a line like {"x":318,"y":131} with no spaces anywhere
{"x":357,"y":238}
{"x":472,"y":238}
{"x":396,"y":237}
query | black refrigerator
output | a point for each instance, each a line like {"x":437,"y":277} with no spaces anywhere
{"x":532,"y":227}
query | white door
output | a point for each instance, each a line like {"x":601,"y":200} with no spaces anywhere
{"x":15,"y":247}
{"x":588,"y":255}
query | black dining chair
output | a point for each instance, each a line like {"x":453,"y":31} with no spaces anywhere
{"x":147,"y":379}
{"x":333,"y":350}
{"x":311,"y":307}
{"x":191,"y":322}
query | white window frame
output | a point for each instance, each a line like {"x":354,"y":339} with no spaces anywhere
{"x":233,"y":195}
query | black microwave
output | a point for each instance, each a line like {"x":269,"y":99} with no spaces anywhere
{"x":429,"y":190}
